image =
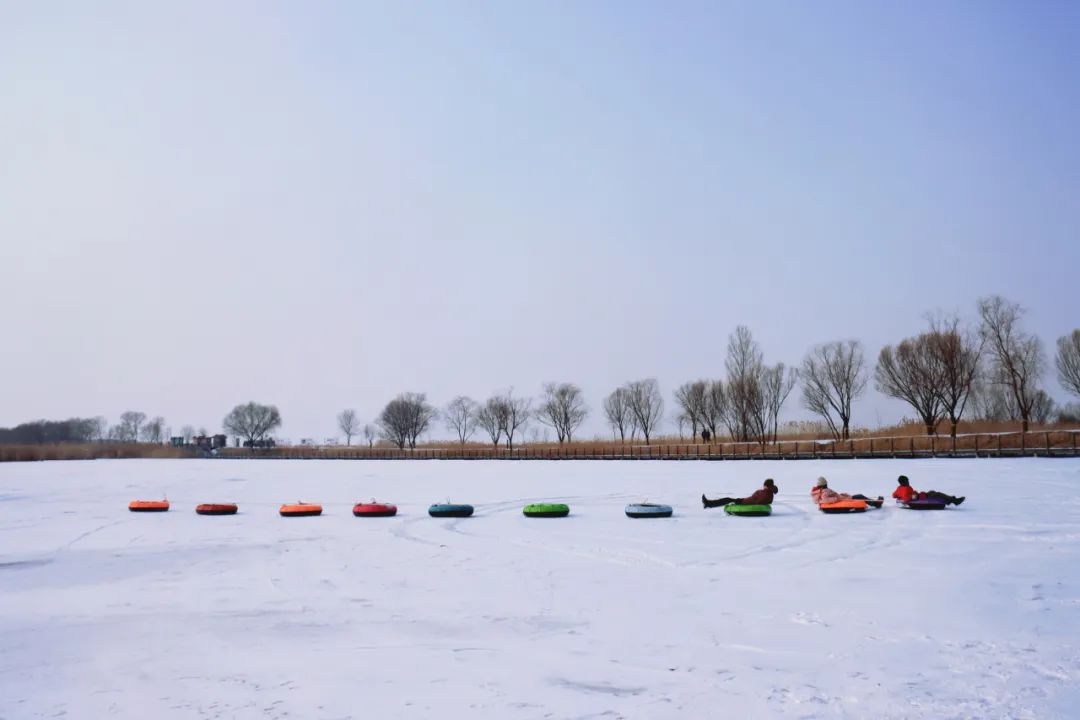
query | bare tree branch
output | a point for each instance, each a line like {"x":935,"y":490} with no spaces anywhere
{"x":617,"y":412}
{"x":832,"y":378}
{"x":562,"y":408}
{"x":646,"y":406}
{"x":1068,"y":361}
{"x":912,"y":373}
{"x":252,"y":421}
{"x":1018,"y":360}
{"x":349,"y":424}
{"x":460,"y":416}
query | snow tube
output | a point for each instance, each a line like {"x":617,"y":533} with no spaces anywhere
{"x":216,"y":509}
{"x":450,"y":510}
{"x":748,"y":510}
{"x":842,"y":507}
{"x":546,"y":510}
{"x":374,"y":509}
{"x":300,"y":509}
{"x":923,"y":505}
{"x":648,"y":510}
{"x":148,"y":506}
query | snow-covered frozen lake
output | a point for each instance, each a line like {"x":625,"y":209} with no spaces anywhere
{"x":973,"y":612}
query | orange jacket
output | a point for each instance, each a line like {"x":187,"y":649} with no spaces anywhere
{"x":904,"y":493}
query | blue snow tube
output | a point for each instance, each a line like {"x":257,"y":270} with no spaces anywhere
{"x":648,"y":510}
{"x":441,"y":510}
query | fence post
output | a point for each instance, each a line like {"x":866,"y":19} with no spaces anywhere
{"x":1074,"y":443}
{"x":976,"y":445}
{"x":933,"y":446}
{"x":999,"y":445}
{"x":1047,"y":444}
{"x":1023,"y":443}
{"x":911,"y":445}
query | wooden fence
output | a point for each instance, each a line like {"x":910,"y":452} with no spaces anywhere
{"x":1058,"y":443}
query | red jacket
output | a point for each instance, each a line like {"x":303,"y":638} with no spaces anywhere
{"x":763,"y":496}
{"x":904,"y":493}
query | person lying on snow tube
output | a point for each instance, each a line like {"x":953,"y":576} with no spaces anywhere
{"x":764,"y":496}
{"x":905,"y":494}
{"x":823,"y":495}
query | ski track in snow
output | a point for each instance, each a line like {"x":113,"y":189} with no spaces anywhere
{"x":968,"y":613}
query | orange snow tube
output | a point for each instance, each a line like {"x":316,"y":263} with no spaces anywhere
{"x":843,"y":506}
{"x":216,"y":509}
{"x":148,"y":506}
{"x":300,"y":509}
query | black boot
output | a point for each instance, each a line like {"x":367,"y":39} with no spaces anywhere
{"x":958,"y":500}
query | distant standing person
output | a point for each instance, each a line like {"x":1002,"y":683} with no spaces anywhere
{"x":905,"y":494}
{"x":764,"y":496}
{"x":706,"y":435}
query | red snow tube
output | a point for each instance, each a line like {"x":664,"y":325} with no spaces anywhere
{"x":300,"y":509}
{"x":374,"y":509}
{"x":843,"y":506}
{"x":148,"y":506}
{"x":216,"y":509}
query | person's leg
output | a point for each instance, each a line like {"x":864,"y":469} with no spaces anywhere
{"x":944,"y":497}
{"x":719,"y":502}
{"x":873,"y":502}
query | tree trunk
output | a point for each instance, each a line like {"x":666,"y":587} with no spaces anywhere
{"x":952,"y":428}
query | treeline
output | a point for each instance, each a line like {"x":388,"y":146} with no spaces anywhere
{"x":134,"y":427}
{"x":988,"y":368}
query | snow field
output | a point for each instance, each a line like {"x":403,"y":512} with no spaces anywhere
{"x":972,"y":612}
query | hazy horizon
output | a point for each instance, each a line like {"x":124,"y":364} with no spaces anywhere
{"x":322,"y":206}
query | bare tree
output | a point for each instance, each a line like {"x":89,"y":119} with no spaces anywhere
{"x":405,"y":419}
{"x":1042,"y":408}
{"x":832,"y":378}
{"x":490,"y":417}
{"x":646,"y":406}
{"x":252,"y":421}
{"x":187,"y":432}
{"x":776,"y":384}
{"x":153,"y":430}
{"x":745,"y":402}
{"x":1068,"y":361}
{"x":1018,"y":360}
{"x":617,"y":412}
{"x":563,"y":409}
{"x":130,"y":423}
{"x":912,"y":373}
{"x":957,"y":354}
{"x":991,"y":402}
{"x":515,"y":413}
{"x":715,"y":407}
{"x":460,"y":416}
{"x":100,"y":428}
{"x":349,"y":424}
{"x":369,"y":435}
{"x":692,"y":399}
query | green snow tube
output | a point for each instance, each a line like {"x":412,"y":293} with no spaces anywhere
{"x":546,"y":510}
{"x":748,"y":510}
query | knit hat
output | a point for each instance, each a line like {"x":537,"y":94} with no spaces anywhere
{"x":822,"y":482}
{"x":902,"y":480}
{"x":770,"y":484}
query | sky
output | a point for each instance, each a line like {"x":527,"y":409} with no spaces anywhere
{"x":321,"y":205}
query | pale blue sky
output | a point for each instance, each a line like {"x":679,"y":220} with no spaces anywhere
{"x":321,"y":205}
